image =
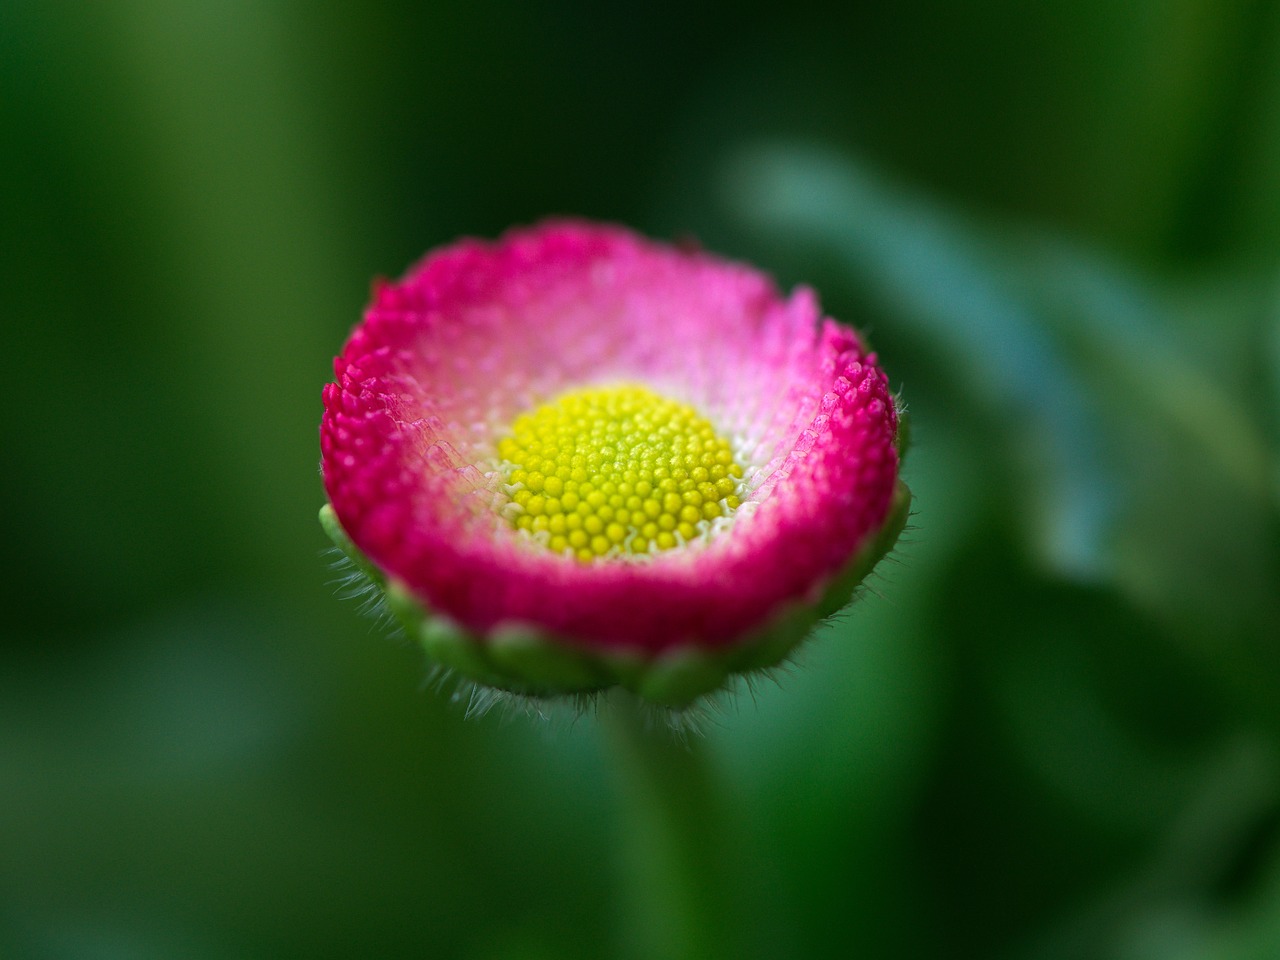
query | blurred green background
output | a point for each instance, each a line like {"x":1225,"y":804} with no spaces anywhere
{"x":1052,"y":729}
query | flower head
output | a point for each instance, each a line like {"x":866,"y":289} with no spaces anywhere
{"x":576,"y":458}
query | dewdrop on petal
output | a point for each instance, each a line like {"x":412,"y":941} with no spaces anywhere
{"x":575,"y":458}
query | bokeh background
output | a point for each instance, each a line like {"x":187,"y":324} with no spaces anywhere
{"x":1051,"y":731}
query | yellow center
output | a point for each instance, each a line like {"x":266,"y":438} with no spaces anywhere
{"x":617,"y":471}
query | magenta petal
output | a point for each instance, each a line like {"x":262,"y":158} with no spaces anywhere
{"x":477,"y":333}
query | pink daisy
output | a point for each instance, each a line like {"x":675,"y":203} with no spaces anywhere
{"x":575,"y":458}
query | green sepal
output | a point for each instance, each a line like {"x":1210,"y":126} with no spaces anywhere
{"x":770,"y":645}
{"x":539,"y":663}
{"x":449,"y":645}
{"x":902,"y":439}
{"x":841,"y":588}
{"x":404,"y":606}
{"x":678,"y":676}
{"x":329,"y":521}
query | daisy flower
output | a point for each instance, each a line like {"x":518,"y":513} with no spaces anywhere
{"x":575,"y":458}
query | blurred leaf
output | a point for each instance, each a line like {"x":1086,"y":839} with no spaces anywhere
{"x":929,"y":272}
{"x":1170,"y":906}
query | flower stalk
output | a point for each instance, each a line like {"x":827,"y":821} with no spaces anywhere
{"x":673,"y":850}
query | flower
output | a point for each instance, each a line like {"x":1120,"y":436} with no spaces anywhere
{"x":576,"y":458}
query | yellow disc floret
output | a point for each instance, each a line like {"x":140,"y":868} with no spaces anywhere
{"x":615,"y":472}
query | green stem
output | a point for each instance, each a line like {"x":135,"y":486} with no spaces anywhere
{"x":672,"y":852}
